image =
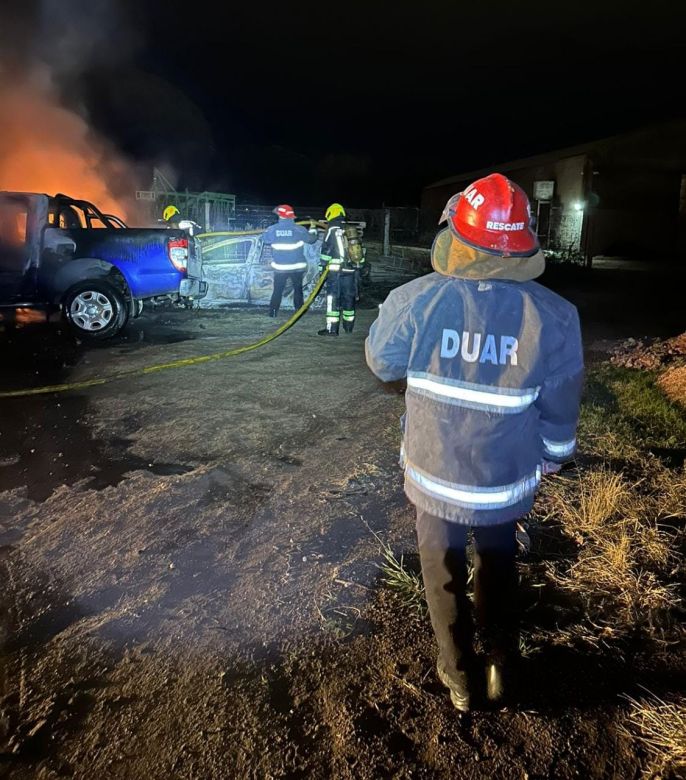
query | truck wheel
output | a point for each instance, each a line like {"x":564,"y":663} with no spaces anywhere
{"x":95,"y":310}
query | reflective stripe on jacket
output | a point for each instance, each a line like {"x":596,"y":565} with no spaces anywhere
{"x":494,"y":372}
{"x":288,"y":241}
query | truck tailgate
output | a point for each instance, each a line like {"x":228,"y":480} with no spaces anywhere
{"x":194,"y":259}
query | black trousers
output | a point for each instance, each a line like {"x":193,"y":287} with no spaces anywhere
{"x":341,"y":292}
{"x":443,"y":554}
{"x":280,"y":279}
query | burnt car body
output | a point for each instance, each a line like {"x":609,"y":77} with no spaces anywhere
{"x":237,"y":268}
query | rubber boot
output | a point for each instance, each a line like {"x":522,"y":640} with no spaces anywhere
{"x":459,"y":690}
{"x":329,"y":330}
{"x":496,"y":605}
{"x":348,"y":326}
{"x":495,"y":682}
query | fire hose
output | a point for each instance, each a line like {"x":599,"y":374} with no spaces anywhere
{"x":181,"y":363}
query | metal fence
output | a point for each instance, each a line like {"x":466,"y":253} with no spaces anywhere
{"x":561,"y":232}
{"x":394,"y":225}
{"x":213,"y":210}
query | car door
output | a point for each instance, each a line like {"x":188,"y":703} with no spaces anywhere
{"x":226,"y":268}
{"x":261,"y":276}
{"x":17,"y":253}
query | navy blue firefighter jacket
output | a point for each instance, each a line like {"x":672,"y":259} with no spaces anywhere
{"x":494,"y":372}
{"x":287,"y":241}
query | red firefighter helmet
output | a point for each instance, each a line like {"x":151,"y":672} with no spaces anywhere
{"x":493,"y":214}
{"x":285,"y":211}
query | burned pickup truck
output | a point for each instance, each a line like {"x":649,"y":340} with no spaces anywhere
{"x":60,"y":253}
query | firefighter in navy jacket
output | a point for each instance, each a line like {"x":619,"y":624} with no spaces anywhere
{"x":288,"y":257}
{"x":342,"y":282}
{"x":494,"y":369}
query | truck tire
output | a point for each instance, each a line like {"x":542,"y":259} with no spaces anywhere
{"x":95,"y":310}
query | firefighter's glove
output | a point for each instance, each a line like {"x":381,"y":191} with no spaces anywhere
{"x":550,"y":467}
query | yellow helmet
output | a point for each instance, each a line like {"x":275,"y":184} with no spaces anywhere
{"x":334,"y":210}
{"x":169,"y":212}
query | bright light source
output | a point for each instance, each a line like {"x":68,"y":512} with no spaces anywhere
{"x":578,"y":206}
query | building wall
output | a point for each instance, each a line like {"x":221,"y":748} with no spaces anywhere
{"x":566,"y":172}
{"x":630,"y":187}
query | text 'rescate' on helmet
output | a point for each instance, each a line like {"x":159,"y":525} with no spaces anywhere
{"x":284,"y":211}
{"x":169,"y":212}
{"x":334,"y":210}
{"x":493,"y":215}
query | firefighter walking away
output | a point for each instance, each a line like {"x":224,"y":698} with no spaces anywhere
{"x":494,"y":367}
{"x":343,"y":255}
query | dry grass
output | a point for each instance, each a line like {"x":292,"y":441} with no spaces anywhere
{"x":607,"y":445}
{"x":670,"y":493}
{"x":673,"y":383}
{"x":626,"y":555}
{"x":661,"y":727}
{"x":587,"y":503}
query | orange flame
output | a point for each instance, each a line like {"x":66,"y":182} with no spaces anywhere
{"x":30,"y":317}
{"x":47,"y":148}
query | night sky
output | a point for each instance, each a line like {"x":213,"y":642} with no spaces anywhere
{"x":367,"y":102}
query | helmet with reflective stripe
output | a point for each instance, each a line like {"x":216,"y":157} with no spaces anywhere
{"x":493,"y":214}
{"x":334,"y":210}
{"x":169,"y":212}
{"x":284,"y":211}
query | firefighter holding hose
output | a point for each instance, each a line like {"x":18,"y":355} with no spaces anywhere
{"x":288,"y":241}
{"x":342,"y":254}
{"x":494,"y":369}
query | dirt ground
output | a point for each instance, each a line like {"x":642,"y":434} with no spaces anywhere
{"x":189,"y":568}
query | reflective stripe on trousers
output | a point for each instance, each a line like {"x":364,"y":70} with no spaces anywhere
{"x":331,"y":315}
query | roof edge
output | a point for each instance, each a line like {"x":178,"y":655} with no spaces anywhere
{"x":565,"y":151}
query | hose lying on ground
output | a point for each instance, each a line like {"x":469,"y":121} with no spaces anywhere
{"x":181,"y":363}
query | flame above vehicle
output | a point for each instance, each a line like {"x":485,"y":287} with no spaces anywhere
{"x":45,"y":147}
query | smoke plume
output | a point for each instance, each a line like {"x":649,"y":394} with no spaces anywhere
{"x":46,"y":142}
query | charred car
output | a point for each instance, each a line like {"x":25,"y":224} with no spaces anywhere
{"x":237,"y":268}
